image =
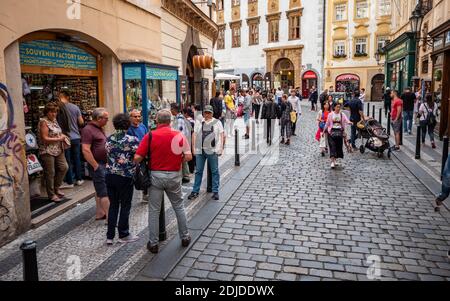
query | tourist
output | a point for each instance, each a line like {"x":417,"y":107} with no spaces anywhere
{"x":181,"y":124}
{"x":409,"y":100}
{"x":362,"y":95}
{"x":51,"y":151}
{"x":93,"y":141}
{"x":335,"y":126}
{"x":285,"y":120}
{"x":217,"y":104}
{"x":396,"y":118}
{"x":356,"y":115}
{"x":257,"y":102}
{"x":321,"y":135}
{"x":247,"y":109}
{"x":165,"y":166}
{"x":323,"y":98}
{"x":445,"y":190}
{"x":269,"y":113}
{"x":279,"y":94}
{"x":208,"y":141}
{"x":230,"y":115}
{"x":428,"y":113}
{"x":313,"y":97}
{"x":296,"y":107}
{"x":120,"y":170}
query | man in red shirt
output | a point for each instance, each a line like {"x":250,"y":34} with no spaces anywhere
{"x":396,"y":117}
{"x":169,"y":149}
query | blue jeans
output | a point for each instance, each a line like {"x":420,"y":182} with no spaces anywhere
{"x":353,"y":135}
{"x":408,"y":121}
{"x":213,"y":162}
{"x":445,"y":182}
{"x":73,"y":157}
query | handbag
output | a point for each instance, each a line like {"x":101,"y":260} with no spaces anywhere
{"x":142,"y":177}
{"x":66,"y":143}
{"x":240,"y":111}
{"x":293,"y":117}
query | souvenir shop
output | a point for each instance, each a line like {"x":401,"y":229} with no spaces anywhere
{"x":49,"y":67}
{"x":347,"y":83}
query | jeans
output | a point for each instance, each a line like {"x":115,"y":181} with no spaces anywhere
{"x":55,"y":169}
{"x":445,"y":182}
{"x":408,"y":121}
{"x":170,"y":183}
{"x":213,"y":163}
{"x":427,"y":129}
{"x":120,"y":193}
{"x":353,"y":136}
{"x":73,"y":158}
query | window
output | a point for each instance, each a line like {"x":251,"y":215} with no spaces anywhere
{"x":425,"y":66}
{"x":236,"y":32}
{"x":384,"y":9}
{"x":274,"y":27}
{"x":425,"y":35}
{"x":235,"y":3}
{"x":339,"y":49}
{"x":219,"y":5}
{"x":294,"y":27}
{"x":362,"y":9}
{"x":221,"y":38}
{"x":361,"y":47}
{"x":381,"y":42}
{"x":340,"y":10}
{"x":254,"y":33}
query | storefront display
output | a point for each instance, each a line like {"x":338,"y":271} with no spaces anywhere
{"x":161,"y":88}
{"x":309,"y":80}
{"x":347,"y":83}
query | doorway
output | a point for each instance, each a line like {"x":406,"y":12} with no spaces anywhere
{"x":377,"y":87}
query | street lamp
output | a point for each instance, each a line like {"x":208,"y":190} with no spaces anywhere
{"x":416,"y":19}
{"x":378,"y":57}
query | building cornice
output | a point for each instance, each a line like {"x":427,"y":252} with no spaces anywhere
{"x":190,"y":14}
{"x":283,"y":48}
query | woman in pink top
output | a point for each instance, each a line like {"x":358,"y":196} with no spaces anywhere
{"x":336,"y":123}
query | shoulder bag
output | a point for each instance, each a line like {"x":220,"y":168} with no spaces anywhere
{"x":143,"y":176}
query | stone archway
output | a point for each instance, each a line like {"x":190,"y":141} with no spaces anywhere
{"x":190,"y":48}
{"x":284,"y":74}
{"x":292,"y":53}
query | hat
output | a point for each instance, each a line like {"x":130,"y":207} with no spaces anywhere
{"x":208,"y":109}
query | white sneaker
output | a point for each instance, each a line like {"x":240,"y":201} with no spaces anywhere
{"x":66,"y":186}
{"x":333,"y":165}
{"x":128,"y":239}
{"x":79,"y":183}
{"x":109,"y":242}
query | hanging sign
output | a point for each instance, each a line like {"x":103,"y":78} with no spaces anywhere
{"x":56,"y":54}
{"x":33,"y":165}
{"x":132,"y":73}
{"x":161,"y":74}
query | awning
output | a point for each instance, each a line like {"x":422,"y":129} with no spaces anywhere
{"x":224,"y":76}
{"x":309,"y":75}
{"x":347,"y":77}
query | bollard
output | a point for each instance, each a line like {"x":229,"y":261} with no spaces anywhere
{"x":208,"y":178}
{"x":368,"y":109}
{"x":381,"y":116}
{"x":373,"y":112}
{"x":30,"y":267}
{"x":162,"y":223}
{"x":401,"y":133}
{"x":237,"y":161}
{"x":389,"y":125}
{"x":444,"y":155}
{"x":418,"y":140}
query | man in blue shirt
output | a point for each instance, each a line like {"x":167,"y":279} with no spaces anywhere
{"x":356,"y":114}
{"x":137,"y":129}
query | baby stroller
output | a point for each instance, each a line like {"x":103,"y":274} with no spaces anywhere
{"x":376,"y":136}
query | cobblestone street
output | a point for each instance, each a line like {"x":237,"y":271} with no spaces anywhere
{"x":295,"y":220}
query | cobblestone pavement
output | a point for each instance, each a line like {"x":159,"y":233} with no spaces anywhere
{"x":300,"y":220}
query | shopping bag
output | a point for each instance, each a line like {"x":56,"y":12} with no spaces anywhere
{"x":322,"y":142}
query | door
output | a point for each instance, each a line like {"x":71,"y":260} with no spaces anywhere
{"x":377,"y":87}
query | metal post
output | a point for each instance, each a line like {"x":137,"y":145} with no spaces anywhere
{"x":444,"y":155}
{"x":30,"y":267}
{"x":389,"y":124}
{"x":373,"y":111}
{"x":208,"y":178}
{"x":162,"y":222}
{"x":418,"y":140}
{"x":368,"y":109}
{"x":237,"y":161}
{"x":381,"y":116}
{"x":401,"y":133}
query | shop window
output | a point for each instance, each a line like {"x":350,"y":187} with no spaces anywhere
{"x":340,"y":12}
{"x":294,"y":26}
{"x":221,"y":38}
{"x":254,"y":33}
{"x":339,"y":49}
{"x":384,"y":7}
{"x":360,"y":47}
{"x":362,"y":9}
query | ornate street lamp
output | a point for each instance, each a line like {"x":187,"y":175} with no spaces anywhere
{"x":416,"y":19}
{"x":378,"y":57}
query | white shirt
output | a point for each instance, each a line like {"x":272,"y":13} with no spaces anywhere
{"x":217,"y":129}
{"x":279,"y":93}
{"x":295,"y":102}
{"x":424,"y":109}
{"x":362,"y":97}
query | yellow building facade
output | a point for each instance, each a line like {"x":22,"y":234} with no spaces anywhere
{"x":355,"y":31}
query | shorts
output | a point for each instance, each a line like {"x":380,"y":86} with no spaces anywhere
{"x":247,"y":116}
{"x":397,"y":126}
{"x":98,"y":177}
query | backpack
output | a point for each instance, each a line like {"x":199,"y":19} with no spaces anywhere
{"x":431,"y":118}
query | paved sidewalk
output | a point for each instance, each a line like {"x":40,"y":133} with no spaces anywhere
{"x":300,"y":220}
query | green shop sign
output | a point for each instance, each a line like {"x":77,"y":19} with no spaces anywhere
{"x":161,"y":74}
{"x":398,"y":52}
{"x":56,"y":54}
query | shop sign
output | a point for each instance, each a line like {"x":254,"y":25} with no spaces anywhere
{"x":438,"y":43}
{"x":56,"y":54}
{"x":398,"y":52}
{"x":162,"y":74}
{"x":347,"y":77}
{"x":132,"y":73}
{"x":447,"y":39}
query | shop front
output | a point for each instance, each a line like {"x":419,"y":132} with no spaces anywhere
{"x":401,"y":62}
{"x":440,"y":86}
{"x":150,"y":88}
{"x":309,"y":80}
{"x":258,"y":81}
{"x":347,"y":83}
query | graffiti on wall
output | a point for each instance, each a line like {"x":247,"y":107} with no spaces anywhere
{"x":12,"y":166}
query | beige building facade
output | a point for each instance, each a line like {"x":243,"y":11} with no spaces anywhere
{"x":86,"y":47}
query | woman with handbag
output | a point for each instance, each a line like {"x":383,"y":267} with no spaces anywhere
{"x":321,"y":135}
{"x":427,"y":116}
{"x":52,"y":144}
{"x":335,"y":126}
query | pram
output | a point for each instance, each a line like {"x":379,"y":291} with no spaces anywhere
{"x":376,"y":136}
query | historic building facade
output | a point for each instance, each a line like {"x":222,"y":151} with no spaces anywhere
{"x":356,"y":31}
{"x":118,"y":54}
{"x":271,"y":43}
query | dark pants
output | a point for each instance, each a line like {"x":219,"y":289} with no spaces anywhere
{"x":120,"y":193}
{"x":353,"y":136}
{"x":427,"y":129}
{"x":73,"y":158}
{"x":336,"y":147}
{"x":256,"y":110}
{"x":313,"y":105}
{"x":387,"y":108}
{"x":270,"y":128}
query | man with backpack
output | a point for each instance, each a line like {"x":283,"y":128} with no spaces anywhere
{"x":180,"y":123}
